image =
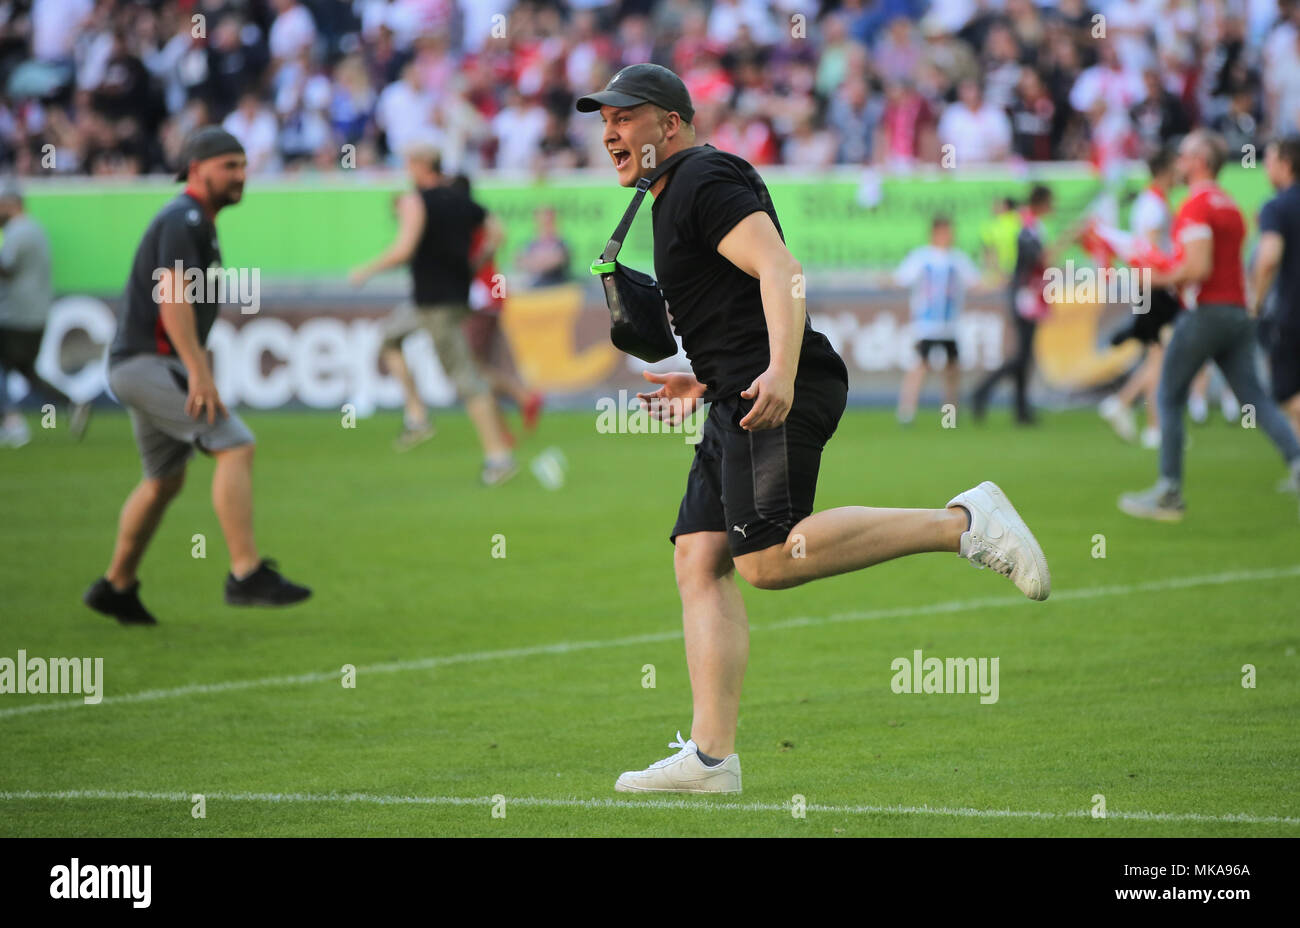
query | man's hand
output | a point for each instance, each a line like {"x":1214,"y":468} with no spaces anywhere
{"x":203,"y":397}
{"x":773,"y":395}
{"x":359,"y":276}
{"x":676,"y":399}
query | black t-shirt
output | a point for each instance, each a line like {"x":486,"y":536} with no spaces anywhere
{"x":440,"y":266}
{"x":1282,"y":215}
{"x":716,"y":308}
{"x":181,"y":232}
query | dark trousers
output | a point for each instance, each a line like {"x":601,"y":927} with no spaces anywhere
{"x":1225,"y":335}
{"x":1017,"y":367}
{"x":18,"y":351}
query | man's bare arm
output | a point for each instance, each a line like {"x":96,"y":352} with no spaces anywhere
{"x":755,"y":247}
{"x":178,"y":322}
{"x":1194,"y":268}
{"x":410,"y":226}
{"x":1268,"y":258}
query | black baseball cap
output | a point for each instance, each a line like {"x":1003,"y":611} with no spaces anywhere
{"x":642,"y":83}
{"x":203,"y":143}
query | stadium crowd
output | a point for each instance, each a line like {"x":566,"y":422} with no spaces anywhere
{"x":115,"y":85}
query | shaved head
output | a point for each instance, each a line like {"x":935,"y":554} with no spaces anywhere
{"x":1209,"y":146}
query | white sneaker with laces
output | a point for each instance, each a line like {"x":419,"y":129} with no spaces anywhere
{"x":999,"y":539}
{"x":1120,"y":417}
{"x":684,"y":772}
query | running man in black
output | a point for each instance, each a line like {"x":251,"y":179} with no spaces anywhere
{"x":158,"y":368}
{"x":736,"y":297}
{"x":436,"y":226}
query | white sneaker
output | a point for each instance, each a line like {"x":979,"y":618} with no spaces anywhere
{"x":1120,"y":417}
{"x":15,"y":434}
{"x":684,"y":772}
{"x":999,"y":539}
{"x":1151,"y":438}
{"x":1198,"y":409}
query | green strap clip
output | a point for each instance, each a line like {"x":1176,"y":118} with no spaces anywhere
{"x":605,"y":267}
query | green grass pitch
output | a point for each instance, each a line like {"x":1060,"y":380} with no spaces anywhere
{"x":521,"y":676}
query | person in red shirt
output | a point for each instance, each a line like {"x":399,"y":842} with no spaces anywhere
{"x":1208,"y":233}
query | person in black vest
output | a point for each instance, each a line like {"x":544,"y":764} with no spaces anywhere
{"x":436,"y":225}
{"x":778,"y":389}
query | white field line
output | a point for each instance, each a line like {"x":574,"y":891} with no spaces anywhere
{"x":567,"y":647}
{"x":701,"y":804}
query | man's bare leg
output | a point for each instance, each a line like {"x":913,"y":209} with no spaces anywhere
{"x":506,"y":384}
{"x":1139,"y":383}
{"x":141,"y":514}
{"x":716,"y":629}
{"x":232,"y":498}
{"x":484,"y":414}
{"x":952,"y":383}
{"x":910,"y":394}
{"x":396,"y":364}
{"x":849,"y":538}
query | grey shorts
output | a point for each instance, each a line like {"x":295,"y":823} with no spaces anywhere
{"x":444,"y":323}
{"x":153,"y":390}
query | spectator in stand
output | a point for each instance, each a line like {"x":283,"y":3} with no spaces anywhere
{"x":1239,"y":126}
{"x":546,"y":258}
{"x":292,"y":32}
{"x":855,"y":113}
{"x":519,"y":130}
{"x":898,"y":51}
{"x":1160,"y":117}
{"x":404,"y":112}
{"x":809,"y":147}
{"x":1033,"y":119}
{"x":977,"y":131}
{"x":953,"y":57}
{"x":907,"y":127}
{"x":1118,"y":90}
{"x":254,"y":125}
{"x":1001,"y":67}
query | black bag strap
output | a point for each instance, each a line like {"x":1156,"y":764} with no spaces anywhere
{"x":642,"y":185}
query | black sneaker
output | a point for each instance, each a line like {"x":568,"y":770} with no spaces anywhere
{"x":124,"y":606}
{"x":264,"y":587}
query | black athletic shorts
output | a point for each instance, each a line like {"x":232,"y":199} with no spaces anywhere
{"x":1284,"y":360}
{"x":924,"y":346}
{"x":19,"y":347}
{"x":756,"y":485}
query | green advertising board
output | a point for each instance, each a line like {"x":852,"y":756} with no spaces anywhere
{"x":312,"y":230}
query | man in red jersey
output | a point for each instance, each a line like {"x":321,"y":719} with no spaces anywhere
{"x":1208,"y":233}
